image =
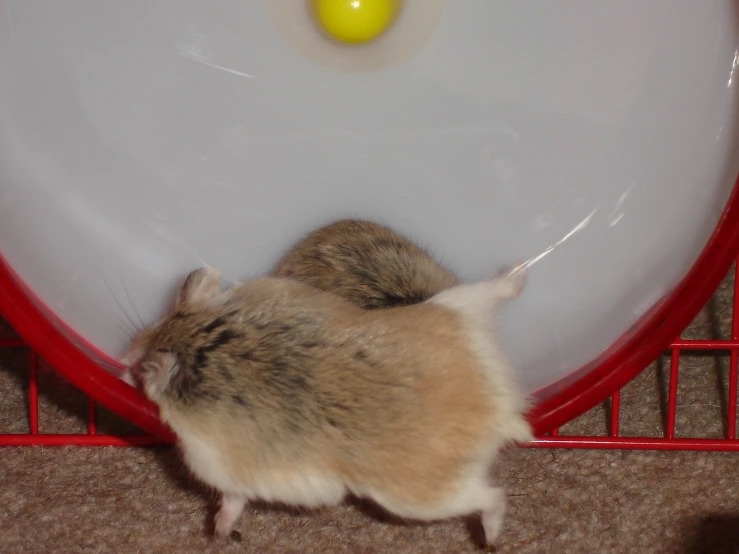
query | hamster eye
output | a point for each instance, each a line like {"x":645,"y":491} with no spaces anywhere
{"x":162,"y":351}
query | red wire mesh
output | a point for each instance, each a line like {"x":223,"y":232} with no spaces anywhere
{"x":668,"y":441}
{"x":554,"y":439}
{"x":36,"y":438}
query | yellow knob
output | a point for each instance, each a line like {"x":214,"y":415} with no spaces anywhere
{"x":356,"y":21}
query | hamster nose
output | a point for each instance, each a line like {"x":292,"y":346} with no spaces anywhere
{"x":356,"y":21}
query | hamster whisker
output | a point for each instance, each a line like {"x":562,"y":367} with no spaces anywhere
{"x":120,"y":305}
{"x":130,"y":301}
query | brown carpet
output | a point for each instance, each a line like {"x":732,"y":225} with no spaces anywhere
{"x":141,"y":500}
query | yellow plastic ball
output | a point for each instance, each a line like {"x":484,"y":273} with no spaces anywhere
{"x":356,"y":21}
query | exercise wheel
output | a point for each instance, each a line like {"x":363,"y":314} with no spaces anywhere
{"x":598,"y":140}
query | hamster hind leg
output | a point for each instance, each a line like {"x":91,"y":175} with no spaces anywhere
{"x":480,"y":300}
{"x":493,"y":516}
{"x":474,"y":495}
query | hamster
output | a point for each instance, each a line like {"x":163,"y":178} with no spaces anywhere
{"x":266,"y":386}
{"x":367,"y":263}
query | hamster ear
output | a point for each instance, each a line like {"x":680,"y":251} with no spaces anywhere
{"x":200,"y":287}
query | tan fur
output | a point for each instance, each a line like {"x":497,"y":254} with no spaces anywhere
{"x":369,"y":264}
{"x":281,"y":391}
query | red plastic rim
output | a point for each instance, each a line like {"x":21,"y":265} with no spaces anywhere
{"x":556,"y":404}
{"x":41,"y":331}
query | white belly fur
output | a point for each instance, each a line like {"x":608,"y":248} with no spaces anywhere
{"x":298,"y":487}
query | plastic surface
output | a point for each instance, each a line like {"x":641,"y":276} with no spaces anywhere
{"x":138,"y":140}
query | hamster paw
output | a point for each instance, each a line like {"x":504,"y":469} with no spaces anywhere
{"x":511,"y":281}
{"x":231,"y":508}
{"x":223,"y":524}
{"x":493,"y":515}
{"x":490,"y":549}
{"x":517,"y":277}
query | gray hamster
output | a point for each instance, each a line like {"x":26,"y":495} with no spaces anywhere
{"x":369,"y":264}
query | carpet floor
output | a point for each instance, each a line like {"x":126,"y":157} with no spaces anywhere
{"x":96,"y":500}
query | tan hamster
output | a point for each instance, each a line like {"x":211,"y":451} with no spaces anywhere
{"x":367,"y":263}
{"x":268,"y":390}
